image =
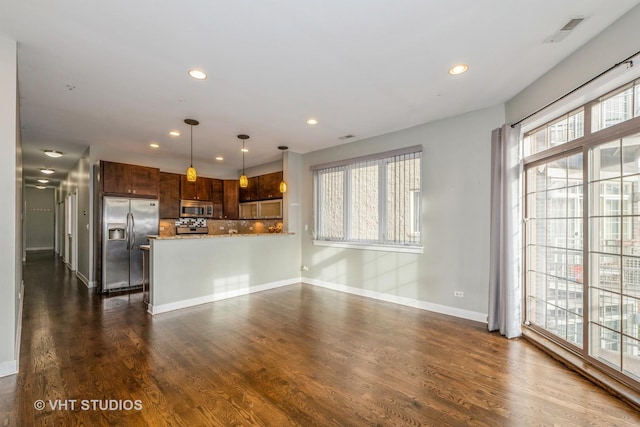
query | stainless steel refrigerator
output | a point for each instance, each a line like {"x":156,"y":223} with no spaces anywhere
{"x":126,"y":225}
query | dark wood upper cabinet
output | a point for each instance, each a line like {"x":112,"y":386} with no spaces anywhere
{"x":231,"y":191}
{"x":250,"y":192}
{"x":121,"y":179}
{"x":217,"y":191}
{"x":199,"y":190}
{"x":169,"y":195}
{"x":269,"y":186}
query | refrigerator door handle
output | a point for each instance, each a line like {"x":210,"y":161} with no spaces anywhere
{"x":133,"y":231}
{"x":128,"y":231}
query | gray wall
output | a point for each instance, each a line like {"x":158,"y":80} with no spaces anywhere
{"x":189,"y":271}
{"x":78,"y":181}
{"x":455,"y":217}
{"x":10,"y":192}
{"x":39,"y":218}
{"x":611,"y":46}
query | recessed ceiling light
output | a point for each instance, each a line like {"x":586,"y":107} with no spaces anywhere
{"x":43,"y":181}
{"x":47,"y":171}
{"x":220,"y":158}
{"x":174,"y":133}
{"x":197,"y":74}
{"x":154,"y":145}
{"x":40,"y":187}
{"x":53,"y":153}
{"x":458,"y":69}
{"x":244,"y":150}
{"x":312,"y":122}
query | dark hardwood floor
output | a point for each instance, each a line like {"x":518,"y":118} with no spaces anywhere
{"x":296,"y":355}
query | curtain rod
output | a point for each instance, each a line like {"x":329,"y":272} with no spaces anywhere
{"x":627,"y":61}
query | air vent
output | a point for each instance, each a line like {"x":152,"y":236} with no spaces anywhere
{"x":571,"y":24}
{"x":566,"y":29}
{"x":346,"y":137}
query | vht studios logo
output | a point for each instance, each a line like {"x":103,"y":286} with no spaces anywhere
{"x":88,"y":405}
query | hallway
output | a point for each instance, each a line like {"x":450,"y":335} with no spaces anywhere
{"x":296,"y":355}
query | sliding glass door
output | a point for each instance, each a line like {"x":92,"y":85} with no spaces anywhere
{"x":554,"y":251}
{"x":582,"y":232}
{"x":614,"y":254}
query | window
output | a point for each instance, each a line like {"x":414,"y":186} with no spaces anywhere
{"x":619,"y":106}
{"x":560,"y":131}
{"x":373,"y":201}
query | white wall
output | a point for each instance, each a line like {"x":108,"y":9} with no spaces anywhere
{"x":10,"y":226}
{"x":39,"y":218}
{"x":455,"y":219}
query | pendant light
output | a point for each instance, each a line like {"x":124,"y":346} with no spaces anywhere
{"x":191,"y":171}
{"x":244,"y":181}
{"x":283,"y":184}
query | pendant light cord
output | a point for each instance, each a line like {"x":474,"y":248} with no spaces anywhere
{"x":191,"y":145}
{"x":243,"y":157}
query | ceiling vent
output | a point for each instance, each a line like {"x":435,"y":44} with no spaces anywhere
{"x":566,"y":29}
{"x":346,"y":137}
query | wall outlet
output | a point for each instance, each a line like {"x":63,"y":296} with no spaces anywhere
{"x":458,"y":294}
{"x":305,"y":268}
{"x":161,"y":228}
{"x":221,"y":228}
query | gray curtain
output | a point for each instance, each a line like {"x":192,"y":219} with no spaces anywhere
{"x":505,"y":291}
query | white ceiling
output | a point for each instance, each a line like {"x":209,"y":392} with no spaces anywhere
{"x":361,"y":67}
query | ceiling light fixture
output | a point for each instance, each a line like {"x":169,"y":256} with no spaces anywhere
{"x":47,"y":171}
{"x":220,"y":158}
{"x":43,"y":181}
{"x":458,"y":69}
{"x":244,"y":181}
{"x":154,"y":145}
{"x":191,"y":171}
{"x":53,"y":153}
{"x":174,"y":133}
{"x":283,"y":184}
{"x":197,"y":74}
{"x":312,"y":122}
{"x":40,"y":187}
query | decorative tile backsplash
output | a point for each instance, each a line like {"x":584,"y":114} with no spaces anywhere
{"x":221,"y":226}
{"x":191,"y":222}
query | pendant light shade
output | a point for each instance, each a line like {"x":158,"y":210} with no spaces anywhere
{"x":283,"y":184}
{"x":192,"y":175}
{"x":191,"y":171}
{"x":244,"y":181}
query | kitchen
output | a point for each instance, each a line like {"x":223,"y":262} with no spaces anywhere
{"x":185,"y":216}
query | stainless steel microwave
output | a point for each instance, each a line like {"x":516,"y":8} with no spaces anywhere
{"x":195,"y":209}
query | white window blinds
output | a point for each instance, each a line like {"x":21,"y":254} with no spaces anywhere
{"x":370,"y":200}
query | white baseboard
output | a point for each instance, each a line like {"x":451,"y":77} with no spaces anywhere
{"x":410,"y":302}
{"x":9,"y":367}
{"x":19,"y":328}
{"x":163,"y":308}
{"x":84,"y":280}
{"x":38,"y":248}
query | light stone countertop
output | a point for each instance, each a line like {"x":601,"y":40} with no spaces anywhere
{"x":210,"y":236}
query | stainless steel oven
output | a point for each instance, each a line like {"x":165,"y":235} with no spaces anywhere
{"x":195,"y":209}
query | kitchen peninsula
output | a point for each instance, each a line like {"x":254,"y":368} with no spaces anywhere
{"x":189,"y":270}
